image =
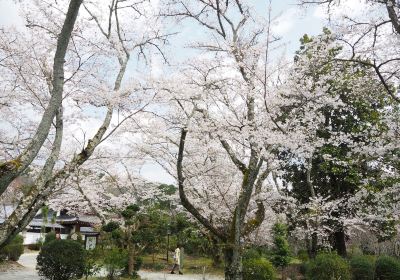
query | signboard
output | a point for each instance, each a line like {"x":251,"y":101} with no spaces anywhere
{"x":90,"y":242}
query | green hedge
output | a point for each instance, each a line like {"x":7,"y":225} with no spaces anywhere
{"x":362,"y":267}
{"x":258,"y":269}
{"x":387,"y":268}
{"x":328,"y":266}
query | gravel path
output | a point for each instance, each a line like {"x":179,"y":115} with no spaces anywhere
{"x":29,"y":273}
{"x":26,"y":273}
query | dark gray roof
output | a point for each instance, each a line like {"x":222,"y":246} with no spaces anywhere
{"x":39,"y":223}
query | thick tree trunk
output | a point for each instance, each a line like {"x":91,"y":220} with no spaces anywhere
{"x":233,"y":263}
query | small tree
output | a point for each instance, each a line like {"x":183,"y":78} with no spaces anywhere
{"x":115,"y":261}
{"x":91,"y":266}
{"x":13,"y":250}
{"x":61,"y":260}
{"x":280,"y":251}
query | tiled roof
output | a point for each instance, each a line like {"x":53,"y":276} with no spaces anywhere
{"x":39,"y":223}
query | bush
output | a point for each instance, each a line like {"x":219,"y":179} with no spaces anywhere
{"x":328,"y":266}
{"x":303,"y":256}
{"x":251,"y":253}
{"x":91,"y":266}
{"x":50,"y":237}
{"x":280,"y":252}
{"x":115,"y":260}
{"x":61,"y":260}
{"x":13,"y":250}
{"x":387,"y":268}
{"x":362,"y":267}
{"x":258,"y":269}
{"x":138,"y":263}
{"x":110,"y":226}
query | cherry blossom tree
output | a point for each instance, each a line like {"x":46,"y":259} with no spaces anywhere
{"x":370,"y":32}
{"x":10,"y":169}
{"x":104,"y":40}
{"x":218,"y":135}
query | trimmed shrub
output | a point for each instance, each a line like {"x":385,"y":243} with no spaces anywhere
{"x":14,"y":249}
{"x":258,"y":269}
{"x":110,"y":226}
{"x":362,"y":267}
{"x":328,"y":266}
{"x":61,"y":260}
{"x":387,"y":268}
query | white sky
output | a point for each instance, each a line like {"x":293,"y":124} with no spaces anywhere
{"x":293,"y":22}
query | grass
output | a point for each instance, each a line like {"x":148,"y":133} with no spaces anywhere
{"x":191,"y":264}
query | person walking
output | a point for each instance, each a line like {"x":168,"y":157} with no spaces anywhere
{"x":177,"y":260}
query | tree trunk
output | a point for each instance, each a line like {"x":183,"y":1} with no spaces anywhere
{"x":314,"y":244}
{"x":340,"y":243}
{"x":131,"y":260}
{"x":131,"y":252}
{"x":233,"y":263}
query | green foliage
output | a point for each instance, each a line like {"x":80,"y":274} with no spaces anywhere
{"x":13,"y":250}
{"x":280,"y":251}
{"x":258,"y":269}
{"x":110,"y":226}
{"x":138,"y":263}
{"x":251,"y":253}
{"x":115,"y":261}
{"x":49,"y":237}
{"x":338,"y":171}
{"x":328,"y":266}
{"x":303,"y":256}
{"x":61,"y":260}
{"x":362,"y":267}
{"x":130,"y":211}
{"x":387,"y":268}
{"x":91,"y":266}
{"x":167,"y":189}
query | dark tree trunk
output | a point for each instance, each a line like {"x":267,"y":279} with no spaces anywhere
{"x":233,"y":264}
{"x":339,"y":243}
{"x":313,"y":244}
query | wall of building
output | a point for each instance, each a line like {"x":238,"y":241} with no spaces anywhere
{"x":33,"y":237}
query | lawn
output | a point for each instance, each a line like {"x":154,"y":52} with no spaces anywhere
{"x":191,"y":264}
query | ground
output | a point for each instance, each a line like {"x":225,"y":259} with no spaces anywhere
{"x":27,"y":272}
